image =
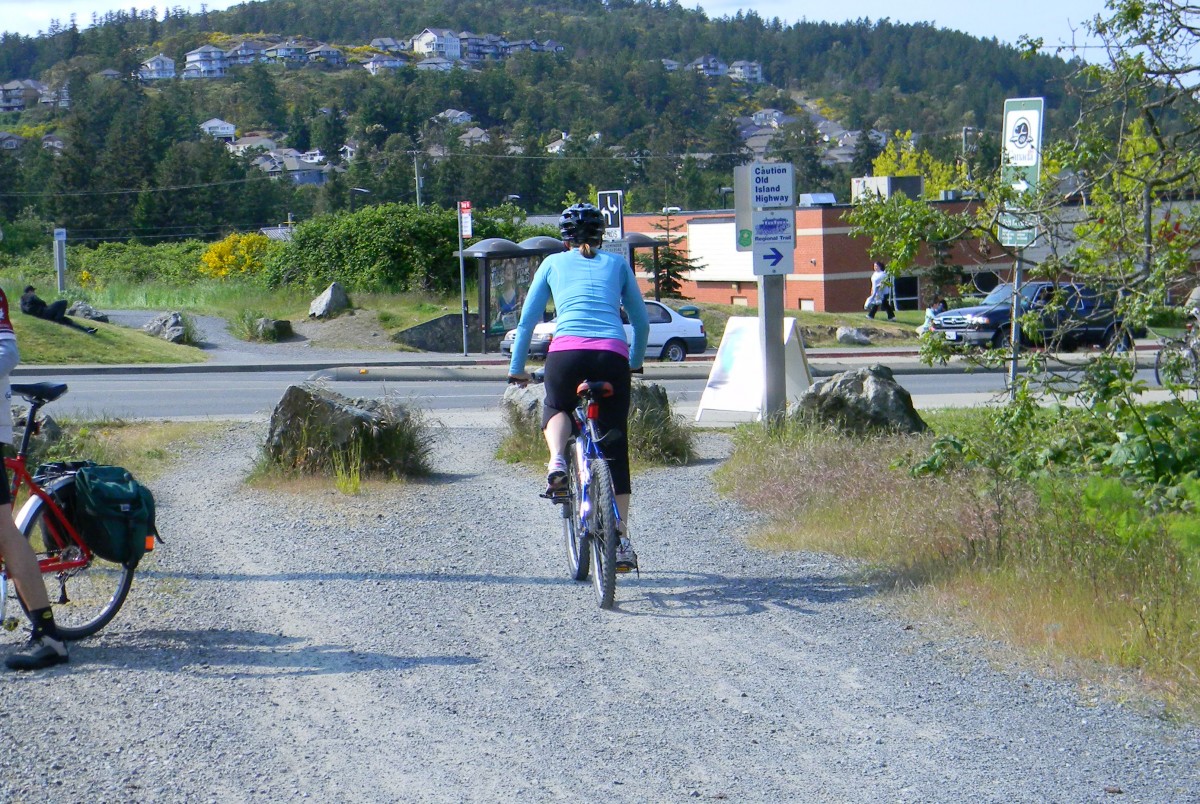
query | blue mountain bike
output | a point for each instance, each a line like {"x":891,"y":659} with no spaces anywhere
{"x":590,"y":521}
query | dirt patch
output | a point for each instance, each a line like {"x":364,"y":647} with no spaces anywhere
{"x":353,"y":329}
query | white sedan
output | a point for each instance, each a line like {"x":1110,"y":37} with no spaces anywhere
{"x":672,"y":336}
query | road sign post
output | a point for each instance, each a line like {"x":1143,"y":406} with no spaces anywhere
{"x":765,"y":214}
{"x":1021,"y":169}
{"x":464,"y":231}
{"x":60,"y":258}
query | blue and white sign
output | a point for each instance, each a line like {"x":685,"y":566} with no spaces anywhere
{"x":774,"y":233}
{"x":772,"y":185}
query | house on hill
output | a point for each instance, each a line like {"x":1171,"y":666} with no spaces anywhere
{"x":205,"y":61}
{"x":384,"y":63}
{"x":435,"y":64}
{"x":219,"y":129}
{"x":248,"y":52}
{"x":389,"y":45}
{"x":453,"y":117}
{"x":439,"y":42}
{"x":749,"y":72}
{"x":157,"y":68}
{"x":293,"y":50}
{"x":709,"y":66}
{"x":474,"y":136}
{"x":327,"y":54}
{"x":10,"y":141}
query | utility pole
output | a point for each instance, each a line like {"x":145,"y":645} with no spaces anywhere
{"x":417,"y":175}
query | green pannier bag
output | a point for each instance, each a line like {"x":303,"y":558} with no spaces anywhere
{"x":114,"y":513}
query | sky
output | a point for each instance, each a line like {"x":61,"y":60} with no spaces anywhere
{"x":1053,"y":20}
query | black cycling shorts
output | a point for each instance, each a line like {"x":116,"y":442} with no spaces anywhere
{"x":5,"y":491}
{"x":564,"y":372}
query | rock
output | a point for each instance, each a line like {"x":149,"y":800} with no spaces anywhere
{"x":85,"y":310}
{"x":861,"y":401}
{"x":647,"y":399}
{"x":169,"y":327}
{"x":852,"y":336}
{"x":333,"y":301}
{"x":316,"y":431}
{"x":49,"y":431}
{"x":271,"y":329}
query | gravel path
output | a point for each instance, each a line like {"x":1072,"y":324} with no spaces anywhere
{"x":421,"y":642}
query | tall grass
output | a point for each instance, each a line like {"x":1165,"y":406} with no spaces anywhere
{"x":1070,"y":568}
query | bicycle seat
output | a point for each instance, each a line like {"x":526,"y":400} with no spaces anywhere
{"x":40,"y":392}
{"x":595,"y":389}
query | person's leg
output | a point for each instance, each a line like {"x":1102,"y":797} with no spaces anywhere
{"x":561,"y":373}
{"x":45,"y":647}
{"x":56,"y":311}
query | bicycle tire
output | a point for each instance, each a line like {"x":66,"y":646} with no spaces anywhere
{"x":1176,"y":364}
{"x":575,"y":539}
{"x":602,"y":534}
{"x":84,"y":599}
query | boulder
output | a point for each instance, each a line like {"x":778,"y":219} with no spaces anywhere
{"x":647,"y":398}
{"x":85,"y":310}
{"x":49,"y":431}
{"x":860,"y":401}
{"x":852,"y":336}
{"x":272,"y":329}
{"x":333,"y":301}
{"x":315,"y":430}
{"x":168,"y":326}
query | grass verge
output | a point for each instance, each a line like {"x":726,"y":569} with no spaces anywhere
{"x":1031,"y":563}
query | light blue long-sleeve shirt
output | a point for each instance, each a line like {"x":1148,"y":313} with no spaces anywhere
{"x":588,"y":295}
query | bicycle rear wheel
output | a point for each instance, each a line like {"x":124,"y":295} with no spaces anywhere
{"x":84,"y":599}
{"x":574,"y":538}
{"x":602,"y":534}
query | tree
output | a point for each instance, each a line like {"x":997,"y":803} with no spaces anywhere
{"x":901,"y":157}
{"x":668,"y":263}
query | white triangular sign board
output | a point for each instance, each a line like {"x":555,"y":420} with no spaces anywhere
{"x":736,"y":380}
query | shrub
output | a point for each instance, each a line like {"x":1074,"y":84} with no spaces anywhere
{"x":239,"y":255}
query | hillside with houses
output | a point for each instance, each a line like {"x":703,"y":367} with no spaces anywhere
{"x":661,"y":102}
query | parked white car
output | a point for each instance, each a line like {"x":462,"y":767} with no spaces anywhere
{"x":672,"y":336}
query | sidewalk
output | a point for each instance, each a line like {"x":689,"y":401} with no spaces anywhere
{"x":228,"y":354}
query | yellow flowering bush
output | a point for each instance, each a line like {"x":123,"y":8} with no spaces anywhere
{"x":239,"y":255}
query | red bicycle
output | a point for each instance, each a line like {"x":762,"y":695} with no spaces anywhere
{"x":86,"y":591}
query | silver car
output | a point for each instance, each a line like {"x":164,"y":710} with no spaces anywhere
{"x":672,"y":336}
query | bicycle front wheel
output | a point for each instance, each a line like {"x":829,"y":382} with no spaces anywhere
{"x":574,"y":538}
{"x":1175,"y":364}
{"x":602,"y":533}
{"x":86,"y":598}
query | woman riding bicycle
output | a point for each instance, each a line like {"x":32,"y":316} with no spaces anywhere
{"x":589,"y":287}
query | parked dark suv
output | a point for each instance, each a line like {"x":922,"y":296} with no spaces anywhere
{"x":1084,"y":317}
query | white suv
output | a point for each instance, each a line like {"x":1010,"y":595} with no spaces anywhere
{"x":672,"y":336}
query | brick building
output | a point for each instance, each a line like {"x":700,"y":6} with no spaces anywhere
{"x":832,"y":269}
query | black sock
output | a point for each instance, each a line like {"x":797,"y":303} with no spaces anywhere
{"x":43,"y":623}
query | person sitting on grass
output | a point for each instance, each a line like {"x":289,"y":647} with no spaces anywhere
{"x":32,"y":305}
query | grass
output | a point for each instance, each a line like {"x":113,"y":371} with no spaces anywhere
{"x":1065,"y":591}
{"x":655,"y":439}
{"x":147,"y":449}
{"x":46,"y":343}
{"x":820,"y":328}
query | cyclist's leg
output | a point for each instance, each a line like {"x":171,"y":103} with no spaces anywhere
{"x":563,"y":373}
{"x":45,"y":647}
{"x":614,"y":415}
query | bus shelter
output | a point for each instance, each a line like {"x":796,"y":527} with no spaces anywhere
{"x":504,"y":272}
